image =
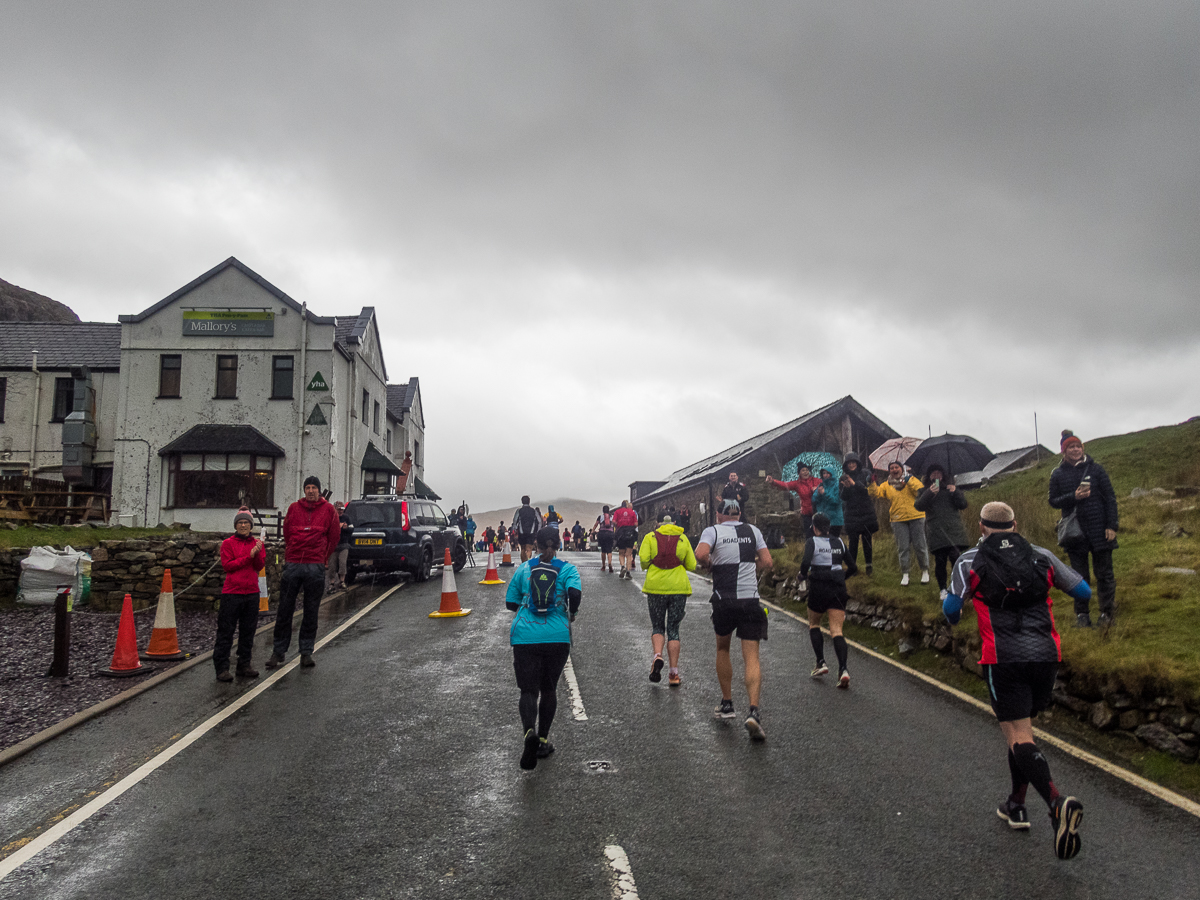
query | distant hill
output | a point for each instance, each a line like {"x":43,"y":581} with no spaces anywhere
{"x":20,"y":305}
{"x":567,"y":507}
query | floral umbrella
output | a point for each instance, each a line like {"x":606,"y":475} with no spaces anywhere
{"x":893,"y":450}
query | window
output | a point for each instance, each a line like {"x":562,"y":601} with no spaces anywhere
{"x":366,"y":405}
{"x":416,"y":453}
{"x":169,"y":367}
{"x":64,"y":399}
{"x":4,"y":394}
{"x":220,"y":480}
{"x":282,"y":368}
{"x":226,"y":378}
{"x":375,"y":418}
{"x":378,"y":483}
{"x":388,"y":444}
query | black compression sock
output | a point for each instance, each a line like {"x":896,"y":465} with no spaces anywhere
{"x":1019,"y":784}
{"x":818,"y":642}
{"x":1035,"y":769}
{"x":839,"y":647}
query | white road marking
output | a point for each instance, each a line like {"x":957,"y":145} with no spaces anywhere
{"x":1162,"y":793}
{"x":81,"y":815}
{"x":577,"y":709}
{"x":624,"y":887}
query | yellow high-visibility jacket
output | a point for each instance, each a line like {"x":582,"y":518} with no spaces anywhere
{"x":667,"y":581}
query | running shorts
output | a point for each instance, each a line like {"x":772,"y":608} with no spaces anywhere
{"x":826,"y":595}
{"x":747,"y":617}
{"x":1019,"y":690}
{"x":527,"y":540}
{"x":626,"y":537}
{"x":607,"y":539}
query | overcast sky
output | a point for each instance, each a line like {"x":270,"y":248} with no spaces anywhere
{"x":613,"y":238}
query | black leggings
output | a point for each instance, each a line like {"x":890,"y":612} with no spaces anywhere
{"x":852,"y":548}
{"x":941,"y":556}
{"x":538,"y":667}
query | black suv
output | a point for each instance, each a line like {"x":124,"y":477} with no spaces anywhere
{"x":401,"y":534}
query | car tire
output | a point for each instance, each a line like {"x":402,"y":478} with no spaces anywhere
{"x":459,"y":556}
{"x":425,"y":566}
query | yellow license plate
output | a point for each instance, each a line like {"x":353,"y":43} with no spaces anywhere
{"x":367,"y":542}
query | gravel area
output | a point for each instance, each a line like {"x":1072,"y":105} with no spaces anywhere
{"x":30,"y":701}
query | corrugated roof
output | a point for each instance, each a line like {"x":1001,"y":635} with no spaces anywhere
{"x":223,"y":439}
{"x":1000,"y":465}
{"x":61,"y":345}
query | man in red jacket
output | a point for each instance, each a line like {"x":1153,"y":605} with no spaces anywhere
{"x":310,"y":532}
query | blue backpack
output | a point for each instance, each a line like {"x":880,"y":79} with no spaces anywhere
{"x":543,"y":586}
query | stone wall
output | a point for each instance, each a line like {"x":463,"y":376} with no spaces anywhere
{"x":1163,"y":722}
{"x":136,"y":567}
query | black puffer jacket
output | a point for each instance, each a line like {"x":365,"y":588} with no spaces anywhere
{"x":857,"y":506}
{"x":943,"y":516}
{"x":1097,"y":512}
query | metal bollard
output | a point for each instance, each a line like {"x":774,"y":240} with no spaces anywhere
{"x":60,"y":668}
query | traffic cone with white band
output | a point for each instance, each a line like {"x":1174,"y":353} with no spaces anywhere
{"x":506,"y":560}
{"x":164,"y":639}
{"x":492,"y":576}
{"x":450,"y":607}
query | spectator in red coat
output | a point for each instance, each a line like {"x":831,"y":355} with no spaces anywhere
{"x":242,"y":558}
{"x":804,"y":485}
{"x":310,"y":533}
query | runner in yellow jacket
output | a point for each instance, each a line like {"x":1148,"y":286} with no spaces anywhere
{"x":666,"y":556}
{"x":908,"y":522}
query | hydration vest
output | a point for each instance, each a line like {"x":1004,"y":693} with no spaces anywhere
{"x":666,"y":558}
{"x":543,"y":586}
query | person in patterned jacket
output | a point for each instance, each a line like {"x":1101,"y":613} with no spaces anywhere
{"x":1008,"y":580}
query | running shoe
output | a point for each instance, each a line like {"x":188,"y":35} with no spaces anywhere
{"x":724,"y":711}
{"x":904,"y":580}
{"x":674,"y":680}
{"x":942,"y":594}
{"x":844,"y":679}
{"x":622,"y":571}
{"x":529,"y":756}
{"x":820,"y":669}
{"x":754,"y":726}
{"x":924,"y":576}
{"x":545,"y":748}
{"x":1066,"y":814}
{"x":656,"y":668}
{"x":1014,"y":814}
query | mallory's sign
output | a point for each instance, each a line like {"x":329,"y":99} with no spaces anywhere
{"x":228,"y":323}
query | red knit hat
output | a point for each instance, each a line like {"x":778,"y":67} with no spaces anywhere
{"x":1068,"y":438}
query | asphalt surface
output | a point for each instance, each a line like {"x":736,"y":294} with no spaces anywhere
{"x":390,"y":770}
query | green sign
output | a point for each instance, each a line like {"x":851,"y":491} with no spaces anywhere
{"x":228,"y":323}
{"x":317,"y":383}
{"x":317,"y":417}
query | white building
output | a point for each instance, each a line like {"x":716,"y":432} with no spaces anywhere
{"x":231,"y":392}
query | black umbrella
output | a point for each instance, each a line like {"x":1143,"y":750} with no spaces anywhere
{"x":953,"y":452}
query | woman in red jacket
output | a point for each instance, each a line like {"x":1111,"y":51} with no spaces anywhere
{"x":804,"y":485}
{"x":242,"y":558}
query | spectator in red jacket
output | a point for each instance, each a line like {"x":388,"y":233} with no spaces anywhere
{"x":804,"y":485}
{"x":242,"y":558}
{"x":310,"y":533}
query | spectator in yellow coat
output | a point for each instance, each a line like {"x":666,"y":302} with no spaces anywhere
{"x":908,"y":522}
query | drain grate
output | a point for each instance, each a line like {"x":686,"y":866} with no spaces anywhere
{"x":599,"y":766}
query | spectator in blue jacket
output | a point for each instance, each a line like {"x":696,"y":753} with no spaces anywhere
{"x":827,"y":499}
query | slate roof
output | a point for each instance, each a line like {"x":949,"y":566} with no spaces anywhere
{"x":400,"y":398}
{"x":223,"y":439}
{"x":231,"y":263}
{"x":698,"y":470}
{"x":1004,"y":463}
{"x":61,"y":345}
{"x":374,"y":461}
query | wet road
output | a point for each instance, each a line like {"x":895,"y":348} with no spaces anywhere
{"x":390,"y":770}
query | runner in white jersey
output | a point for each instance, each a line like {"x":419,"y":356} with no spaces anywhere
{"x":735,"y":553}
{"x":822,"y":566}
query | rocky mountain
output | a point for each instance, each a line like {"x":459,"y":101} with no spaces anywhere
{"x":20,"y":305}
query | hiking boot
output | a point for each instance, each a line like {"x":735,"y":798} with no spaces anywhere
{"x":306,"y":661}
{"x":1014,"y":814}
{"x":820,"y":669}
{"x":870,"y":569}
{"x":245,"y":670}
{"x":545,"y":748}
{"x":1083,"y":620}
{"x":1066,"y":815}
{"x":529,"y":753}
{"x":275,"y":661}
{"x":924,"y":576}
{"x":754,"y":725}
{"x":224,"y":675}
{"x":724,"y":711}
{"x":904,"y":580}
{"x":656,"y":668}
{"x":674,"y":679}
{"x":844,"y":679}
{"x":1106,"y":619}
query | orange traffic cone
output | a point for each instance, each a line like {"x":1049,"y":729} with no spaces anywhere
{"x":264,"y":593}
{"x":492,"y":576}
{"x":506,"y":559}
{"x":125,"y":656}
{"x":164,"y":638}
{"x":449,"y":607}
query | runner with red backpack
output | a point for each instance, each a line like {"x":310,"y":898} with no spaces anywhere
{"x":1009,"y":580}
{"x":606,"y":534}
{"x":667,"y":557}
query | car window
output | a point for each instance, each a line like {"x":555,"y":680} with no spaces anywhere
{"x":373,"y":515}
{"x":439,"y":517}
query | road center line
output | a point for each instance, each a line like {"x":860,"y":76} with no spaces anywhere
{"x":81,"y":815}
{"x":1116,"y":771}
{"x":624,"y":887}
{"x":577,"y":709}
